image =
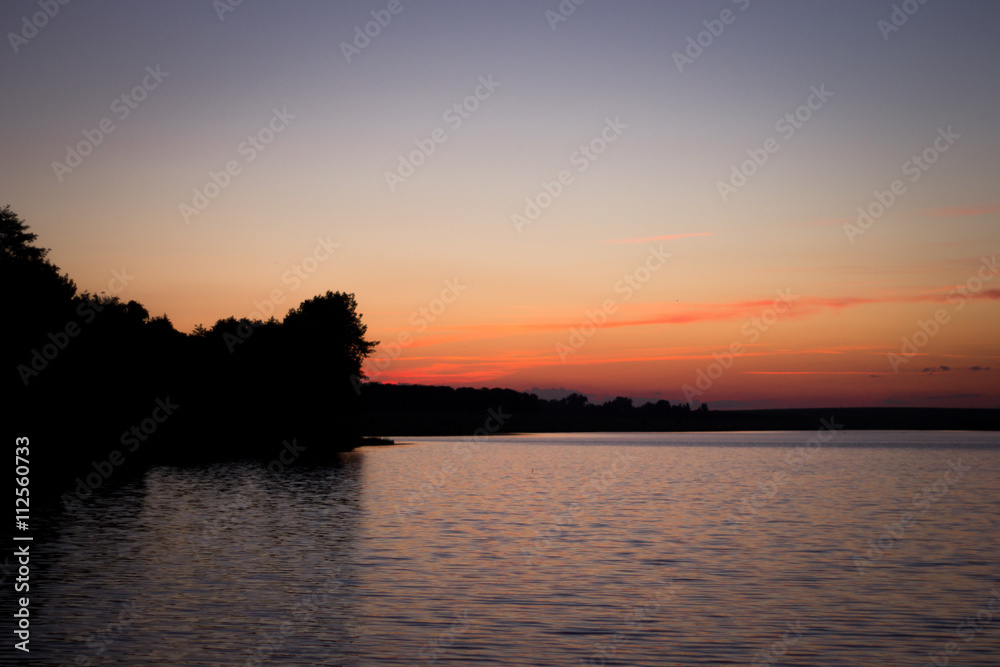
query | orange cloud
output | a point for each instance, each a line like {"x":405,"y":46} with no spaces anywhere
{"x":650,"y":314}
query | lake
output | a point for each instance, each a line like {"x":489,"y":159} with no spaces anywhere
{"x":823,"y":548}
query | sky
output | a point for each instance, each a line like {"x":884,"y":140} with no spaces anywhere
{"x":745,"y":203}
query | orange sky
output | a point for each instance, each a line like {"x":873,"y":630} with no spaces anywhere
{"x":486,"y":183}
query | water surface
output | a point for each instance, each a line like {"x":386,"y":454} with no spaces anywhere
{"x":860,"y":548}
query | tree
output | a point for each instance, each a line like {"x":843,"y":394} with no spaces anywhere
{"x":328,"y":330}
{"x":242,"y":385}
{"x":38,"y":299}
{"x":621,"y":406}
{"x":42,"y":292}
{"x":574,"y":401}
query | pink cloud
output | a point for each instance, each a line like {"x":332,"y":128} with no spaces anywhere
{"x":962,"y":211}
{"x":802,"y":306}
{"x":647,"y":314}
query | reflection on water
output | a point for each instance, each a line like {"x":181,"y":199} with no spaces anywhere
{"x":211,"y":565}
{"x":651,"y":549}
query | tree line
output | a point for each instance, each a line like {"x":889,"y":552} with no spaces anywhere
{"x":88,"y":374}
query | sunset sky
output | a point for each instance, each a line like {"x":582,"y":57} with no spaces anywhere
{"x":697,"y":168}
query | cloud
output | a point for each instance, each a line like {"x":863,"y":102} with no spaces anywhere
{"x":961,"y":211}
{"x":671,"y":312}
{"x":668,"y":237}
{"x":807,"y":373}
{"x":979,"y":368}
{"x":935,"y":370}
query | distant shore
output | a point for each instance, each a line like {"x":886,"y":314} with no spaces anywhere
{"x":393,"y":411}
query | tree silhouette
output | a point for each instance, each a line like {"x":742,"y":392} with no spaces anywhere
{"x":38,"y":297}
{"x":324,"y":346}
{"x":83,"y":369}
{"x":325,"y":323}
